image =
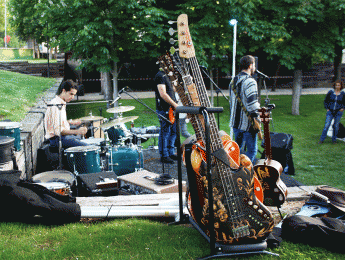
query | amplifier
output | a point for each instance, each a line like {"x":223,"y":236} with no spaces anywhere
{"x":143,"y":182}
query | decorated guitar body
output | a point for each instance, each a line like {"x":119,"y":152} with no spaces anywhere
{"x":269,"y":171}
{"x":239,"y":217}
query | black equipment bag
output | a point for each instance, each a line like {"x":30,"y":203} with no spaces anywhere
{"x":23,"y":201}
{"x":87,"y":184}
{"x":316,"y":231}
{"x":341,"y":131}
{"x":281,"y":146}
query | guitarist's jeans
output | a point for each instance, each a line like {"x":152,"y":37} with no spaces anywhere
{"x":329,"y":117}
{"x":248,"y":140}
{"x":167,"y":136}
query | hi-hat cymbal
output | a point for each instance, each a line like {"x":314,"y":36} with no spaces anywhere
{"x":120,"y":109}
{"x":117,"y":121}
{"x":91,"y":118}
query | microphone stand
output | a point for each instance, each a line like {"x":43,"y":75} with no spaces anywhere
{"x":59,"y":106}
{"x":138,"y":100}
{"x":218,"y":90}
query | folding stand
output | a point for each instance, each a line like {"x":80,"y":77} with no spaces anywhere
{"x":217,"y":250}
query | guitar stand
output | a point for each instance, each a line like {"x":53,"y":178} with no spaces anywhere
{"x":217,"y":250}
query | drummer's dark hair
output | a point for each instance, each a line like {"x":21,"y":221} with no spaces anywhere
{"x":67,"y":85}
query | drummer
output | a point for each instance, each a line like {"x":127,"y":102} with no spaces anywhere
{"x":69,"y":137}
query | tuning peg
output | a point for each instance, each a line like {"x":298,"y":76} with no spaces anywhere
{"x":172,"y":22}
{"x":172,"y":41}
{"x":172,"y":31}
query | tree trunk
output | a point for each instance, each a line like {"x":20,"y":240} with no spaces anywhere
{"x":337,"y":62}
{"x":296,"y":91}
{"x":106,"y":86}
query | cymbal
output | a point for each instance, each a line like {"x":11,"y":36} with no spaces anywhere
{"x":91,"y":118}
{"x":120,"y":109}
{"x":117,"y":121}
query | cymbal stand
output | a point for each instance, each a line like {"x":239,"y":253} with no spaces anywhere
{"x":141,"y":102}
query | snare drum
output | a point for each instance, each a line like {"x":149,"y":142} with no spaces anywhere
{"x":94,"y":141}
{"x":83,"y":159}
{"x":125,"y":159}
{"x":115,"y":133}
{"x":58,"y":187}
{"x":11,"y":129}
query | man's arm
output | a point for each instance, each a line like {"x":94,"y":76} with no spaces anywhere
{"x":164,"y":95}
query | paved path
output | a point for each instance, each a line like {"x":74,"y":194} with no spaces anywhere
{"x":151,"y":94}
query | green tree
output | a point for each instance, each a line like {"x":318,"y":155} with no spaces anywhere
{"x":105,"y":34}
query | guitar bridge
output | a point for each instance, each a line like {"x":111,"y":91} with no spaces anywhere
{"x":242,"y":231}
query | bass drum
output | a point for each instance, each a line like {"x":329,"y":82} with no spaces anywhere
{"x":125,"y":159}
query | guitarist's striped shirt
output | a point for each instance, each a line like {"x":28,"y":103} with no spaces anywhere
{"x":247,"y":89}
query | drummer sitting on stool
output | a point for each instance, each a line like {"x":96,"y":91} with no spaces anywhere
{"x":56,"y":117}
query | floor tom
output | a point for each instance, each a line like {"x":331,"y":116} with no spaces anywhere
{"x":84,"y":159}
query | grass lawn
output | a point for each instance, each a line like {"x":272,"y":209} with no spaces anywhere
{"x":134,"y":238}
{"x":19,"y":92}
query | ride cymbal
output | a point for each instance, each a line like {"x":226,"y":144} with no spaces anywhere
{"x":120,"y":109}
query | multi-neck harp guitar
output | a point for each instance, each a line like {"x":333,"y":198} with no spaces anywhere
{"x":239,"y":217}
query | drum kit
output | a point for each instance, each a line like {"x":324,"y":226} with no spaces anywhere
{"x":115,"y":151}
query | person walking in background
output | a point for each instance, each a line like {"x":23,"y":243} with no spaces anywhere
{"x":335,"y":104}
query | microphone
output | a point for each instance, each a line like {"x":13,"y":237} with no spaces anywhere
{"x":262,"y":74}
{"x":116,"y":99}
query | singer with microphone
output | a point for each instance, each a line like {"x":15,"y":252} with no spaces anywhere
{"x":244,"y":107}
{"x":55,"y":121}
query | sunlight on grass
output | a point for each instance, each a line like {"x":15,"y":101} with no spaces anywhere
{"x":18,"y":92}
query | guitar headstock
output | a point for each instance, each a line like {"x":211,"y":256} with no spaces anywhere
{"x":167,"y":66}
{"x":186,"y":47}
{"x":264,"y":114}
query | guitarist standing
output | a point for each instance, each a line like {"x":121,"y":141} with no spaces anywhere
{"x":165,"y":99}
{"x":244,"y":107}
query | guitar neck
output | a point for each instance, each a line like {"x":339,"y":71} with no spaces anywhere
{"x":265,"y":115}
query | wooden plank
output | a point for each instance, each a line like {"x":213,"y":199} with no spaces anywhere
{"x":131,"y":200}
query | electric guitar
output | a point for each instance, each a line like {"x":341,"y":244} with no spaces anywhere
{"x":238,"y":215}
{"x":268,"y":170}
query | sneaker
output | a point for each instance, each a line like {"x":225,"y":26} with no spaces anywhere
{"x":173,"y":156}
{"x":167,"y":160}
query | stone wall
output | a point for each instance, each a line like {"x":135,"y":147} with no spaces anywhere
{"x":32,"y":135}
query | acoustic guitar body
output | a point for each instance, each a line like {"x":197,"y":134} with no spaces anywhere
{"x":268,"y":173}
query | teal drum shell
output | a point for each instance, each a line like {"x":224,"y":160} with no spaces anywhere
{"x":11,"y":129}
{"x":83,"y":159}
{"x":125,"y":160}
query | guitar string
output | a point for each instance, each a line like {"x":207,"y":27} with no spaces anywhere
{"x":215,"y":143}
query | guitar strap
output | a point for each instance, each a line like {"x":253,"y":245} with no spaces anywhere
{"x":233,"y":87}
